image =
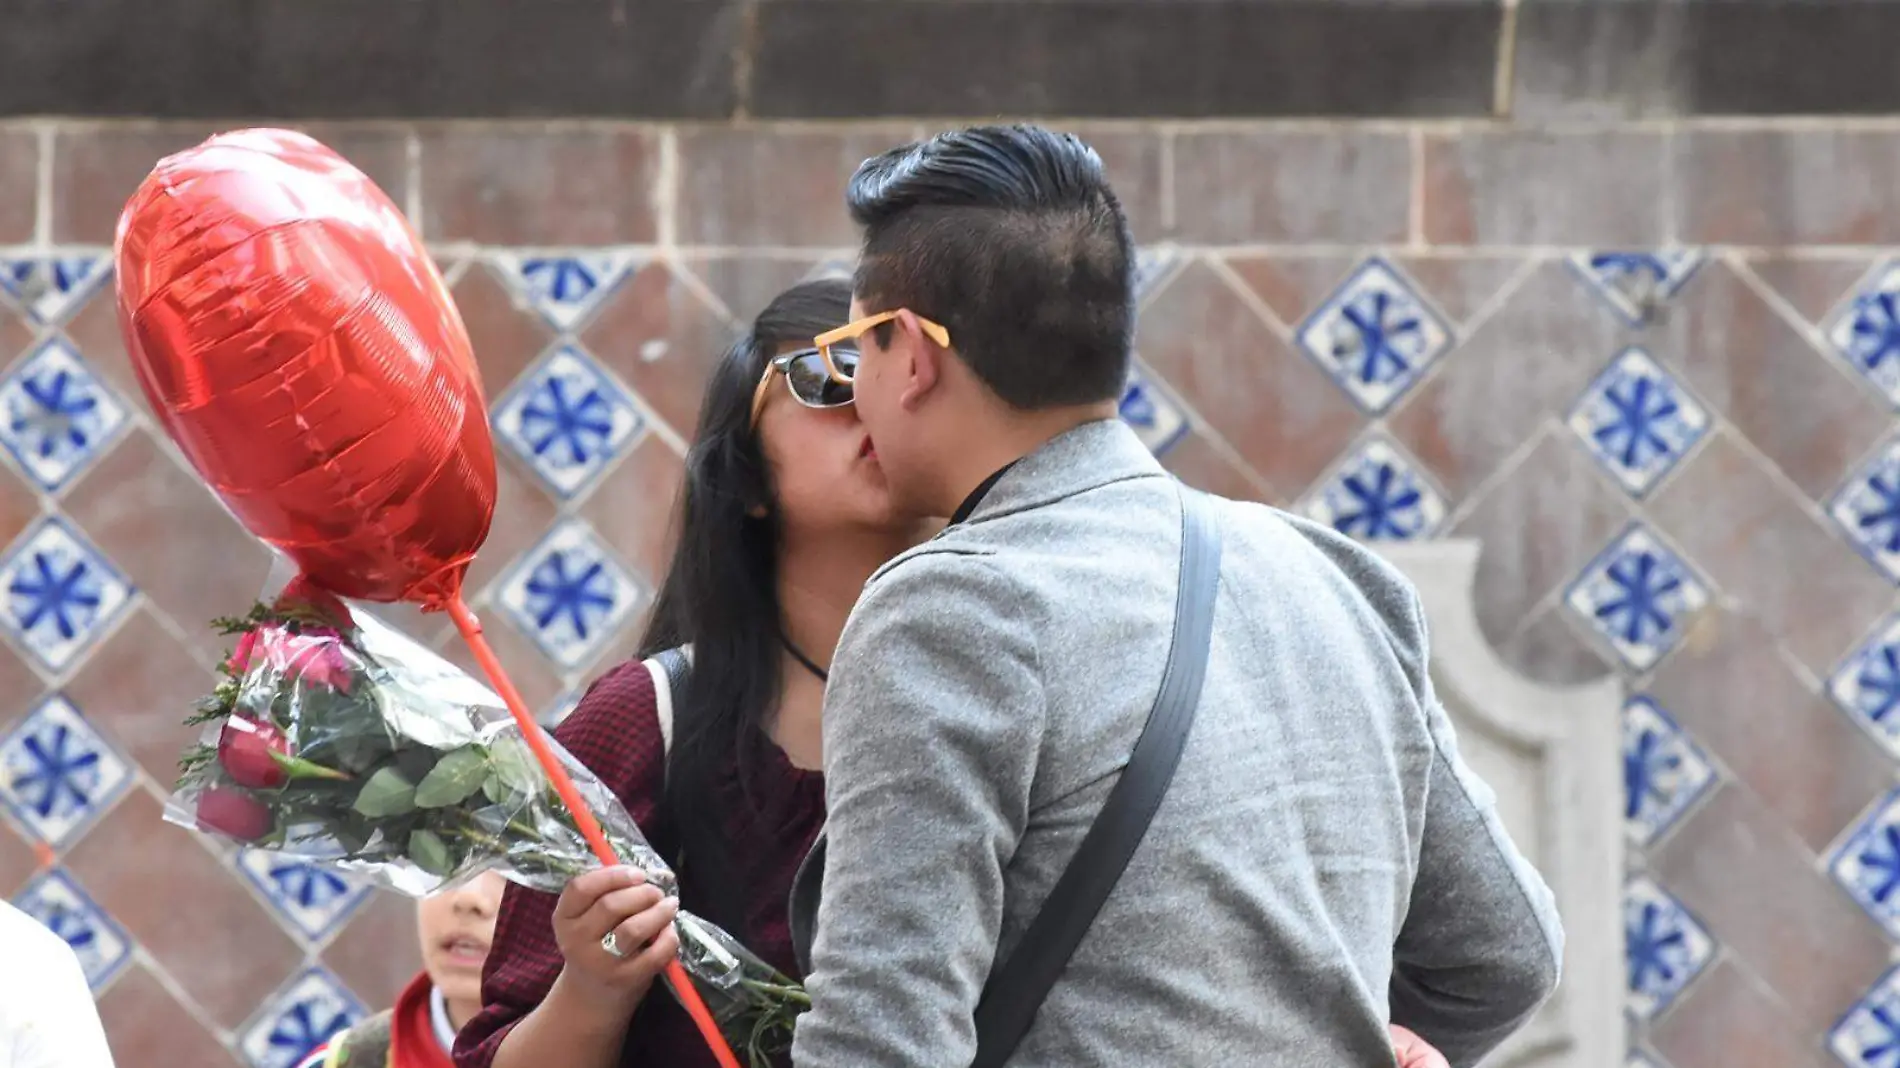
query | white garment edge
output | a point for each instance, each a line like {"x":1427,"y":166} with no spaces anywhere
{"x":439,"y":1020}
{"x":663,"y":697}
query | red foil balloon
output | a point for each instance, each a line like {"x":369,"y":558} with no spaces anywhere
{"x":298,"y":343}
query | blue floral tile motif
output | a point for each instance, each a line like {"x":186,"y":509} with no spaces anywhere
{"x":1155,"y":417}
{"x":1664,"y":771}
{"x":1867,"y":509}
{"x":314,"y":898}
{"x":566,"y":288}
{"x":1867,"y":684}
{"x":1867,"y":863}
{"x":570,"y":594}
{"x":61,"y":593}
{"x":1637,"y":283}
{"x":1377,"y":494}
{"x":1664,"y":947}
{"x":57,"y":902}
{"x":1375,"y":336}
{"x":1639,"y":596}
{"x":300,"y":1016}
{"x":568,"y":420}
{"x":51,"y":288}
{"x":1638,"y":421}
{"x":56,"y":774}
{"x":1866,"y":332}
{"x":56,"y":416}
{"x":1868,"y":1036}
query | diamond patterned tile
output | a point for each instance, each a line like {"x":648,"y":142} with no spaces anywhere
{"x":570,"y":595}
{"x":1638,"y":1059}
{"x":1867,"y":685}
{"x":1637,"y":421}
{"x":1377,"y":494}
{"x":1154,"y":265}
{"x":63,"y":595}
{"x":567,"y":419}
{"x":58,"y":903}
{"x":1636,"y":284}
{"x":58,"y":415}
{"x":1867,"y":509}
{"x":300,"y":1016}
{"x":1157,"y":418}
{"x":51,"y":288}
{"x":1867,"y":863}
{"x":1665,"y":947}
{"x":1865,"y":332}
{"x":315,"y":899}
{"x":1638,"y":596}
{"x":57,"y":775}
{"x":1664,"y":771}
{"x":566,"y":287}
{"x":1868,"y":1036}
{"x":1375,"y":336}
{"x":143,"y":1013}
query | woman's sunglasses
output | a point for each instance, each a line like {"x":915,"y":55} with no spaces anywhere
{"x":809,"y":379}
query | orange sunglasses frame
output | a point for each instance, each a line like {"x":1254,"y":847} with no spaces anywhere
{"x":853,"y":330}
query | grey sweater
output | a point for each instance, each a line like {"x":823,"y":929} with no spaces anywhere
{"x":1323,"y":863}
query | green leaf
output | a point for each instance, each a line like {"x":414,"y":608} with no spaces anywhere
{"x":457,"y":775}
{"x":515,"y":766}
{"x":386,"y":793}
{"x":430,"y":853}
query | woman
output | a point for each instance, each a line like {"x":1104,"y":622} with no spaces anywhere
{"x":784,"y":518}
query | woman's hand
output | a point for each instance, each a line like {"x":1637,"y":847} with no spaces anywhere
{"x":640,"y":917}
{"x":1414,"y":1052}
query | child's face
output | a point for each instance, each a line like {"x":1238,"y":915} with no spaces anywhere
{"x":457,"y":926}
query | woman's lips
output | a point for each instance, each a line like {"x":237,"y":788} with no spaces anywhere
{"x":866,"y":448}
{"x":469,"y":950}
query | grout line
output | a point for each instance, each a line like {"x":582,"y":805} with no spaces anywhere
{"x":665,"y":197}
{"x":1504,"y":76}
{"x":1415,"y":214}
{"x":412,"y":197}
{"x":48,"y":137}
{"x":1167,"y":183}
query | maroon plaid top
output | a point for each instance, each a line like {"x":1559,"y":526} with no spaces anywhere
{"x":615,"y":732}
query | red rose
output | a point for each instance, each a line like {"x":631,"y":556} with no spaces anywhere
{"x":246,"y":750}
{"x":240,"y":661}
{"x":302,"y":591}
{"x":315,"y":657}
{"x":233,"y":814}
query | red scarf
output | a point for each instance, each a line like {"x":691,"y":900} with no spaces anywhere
{"x":412,"y":1041}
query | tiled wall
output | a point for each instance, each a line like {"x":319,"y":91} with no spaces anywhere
{"x":1654,"y":368}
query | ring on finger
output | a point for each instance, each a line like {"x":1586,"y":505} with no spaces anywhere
{"x":611,"y":943}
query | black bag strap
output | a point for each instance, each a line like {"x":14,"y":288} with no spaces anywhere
{"x":1017,"y":987}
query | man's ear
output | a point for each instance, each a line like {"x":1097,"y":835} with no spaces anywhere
{"x":921,"y":363}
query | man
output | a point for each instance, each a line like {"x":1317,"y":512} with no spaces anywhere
{"x":47,"y":1017}
{"x":1323,"y":860}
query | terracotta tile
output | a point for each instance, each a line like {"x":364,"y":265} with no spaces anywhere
{"x":146,"y":1026}
{"x":1293,"y":285}
{"x":1758,"y":543}
{"x":1343,"y":186}
{"x":523,"y":511}
{"x":1502,"y":381}
{"x":1792,"y":402}
{"x":1814,"y":286}
{"x":19,"y":505}
{"x":764,"y":185}
{"x":1195,"y":461}
{"x":531,"y":672}
{"x":1731,"y":689}
{"x":1539,"y":525}
{"x":1275,"y":407}
{"x":1460,"y":287}
{"x":506,"y":334}
{"x":379,"y":151}
{"x":538,"y":185}
{"x":1729,"y":1018}
{"x":185,"y":908}
{"x":20,"y":688}
{"x":1133,"y":160}
{"x":16,"y":333}
{"x":1763,"y":898}
{"x":377,"y":954}
{"x":1486,"y":188}
{"x":94,"y":328}
{"x":159,"y":524}
{"x":139,"y":688}
{"x":18,"y":861}
{"x":662,"y":339}
{"x":746,"y":284}
{"x":1788,"y":187}
{"x":1551,"y":651}
{"x":636,"y":508}
{"x":20,"y":176}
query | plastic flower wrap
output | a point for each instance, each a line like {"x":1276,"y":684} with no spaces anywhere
{"x":333,"y":738}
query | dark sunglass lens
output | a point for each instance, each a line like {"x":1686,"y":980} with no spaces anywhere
{"x":813,"y":384}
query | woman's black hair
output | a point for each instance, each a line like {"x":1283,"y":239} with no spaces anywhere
{"x":721,"y":596}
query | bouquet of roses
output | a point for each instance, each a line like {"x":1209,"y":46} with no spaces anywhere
{"x":333,"y":738}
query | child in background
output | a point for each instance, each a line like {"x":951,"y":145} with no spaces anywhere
{"x":456,"y":926}
{"x":47,"y":1018}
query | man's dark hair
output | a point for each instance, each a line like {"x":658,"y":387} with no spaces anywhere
{"x":1011,"y":238}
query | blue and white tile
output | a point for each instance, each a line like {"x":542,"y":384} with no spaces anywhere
{"x":1867,"y":863}
{"x":56,"y":416}
{"x":1638,"y":1059}
{"x":1375,"y":336}
{"x":1637,"y":283}
{"x":1867,"y":684}
{"x":62,"y":907}
{"x":1154,"y":265}
{"x":566,"y":287}
{"x":52,"y":287}
{"x":62,"y":594}
{"x":1665,"y":947}
{"x":569,"y":594}
{"x":57,"y":775}
{"x":1377,"y":493}
{"x":1638,"y":421}
{"x":1865,"y":332}
{"x":316,"y":899}
{"x":1867,"y":509}
{"x":1157,"y":418}
{"x":1638,"y":596}
{"x":297,"y":1018}
{"x":1664,"y":771}
{"x":560,"y":708}
{"x":837,"y":268}
{"x":1868,"y":1035}
{"x":568,"y":419}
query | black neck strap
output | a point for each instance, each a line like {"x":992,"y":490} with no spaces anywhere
{"x":807,"y":662}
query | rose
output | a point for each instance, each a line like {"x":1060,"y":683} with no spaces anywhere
{"x":313,"y":655}
{"x":234,"y":814}
{"x":249,"y":752}
{"x":302,"y":592}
